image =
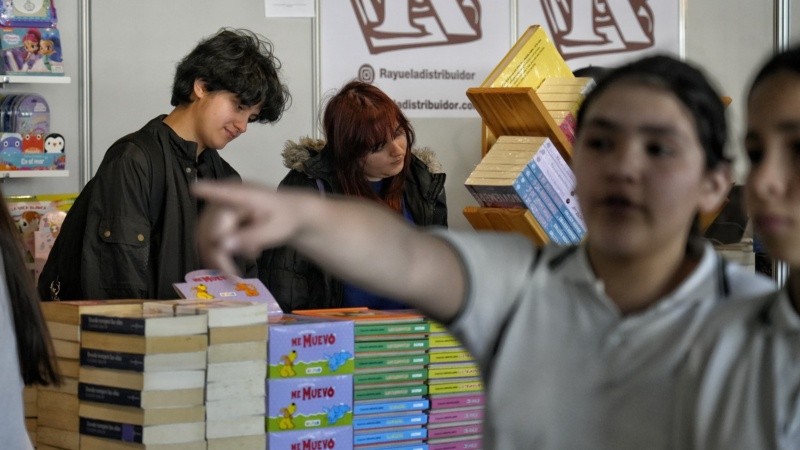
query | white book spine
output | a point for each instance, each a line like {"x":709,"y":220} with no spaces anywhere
{"x":563,"y":180}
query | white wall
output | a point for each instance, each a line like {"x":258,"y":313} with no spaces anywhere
{"x":136,"y":44}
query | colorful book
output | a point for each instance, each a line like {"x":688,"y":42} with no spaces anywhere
{"x":453,"y":430}
{"x":395,"y":346}
{"x":457,"y":400}
{"x":531,"y":60}
{"x":391,"y":361}
{"x":391,"y":435}
{"x":387,"y":391}
{"x":390,"y":377}
{"x":454,"y":386}
{"x":450,"y":415}
{"x":213,"y":285}
{"x":390,"y":405}
{"x":386,"y":420}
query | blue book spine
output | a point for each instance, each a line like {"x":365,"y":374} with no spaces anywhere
{"x":390,"y":406}
{"x":527,"y":190}
{"x":550,"y":198}
{"x":565,"y":232}
{"x":561,"y":176}
{"x":365,"y":423}
{"x":390,"y":436}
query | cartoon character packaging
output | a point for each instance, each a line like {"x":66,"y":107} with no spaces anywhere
{"x":31,"y":51}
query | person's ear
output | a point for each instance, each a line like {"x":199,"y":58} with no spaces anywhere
{"x":716,"y":186}
{"x":199,"y":88}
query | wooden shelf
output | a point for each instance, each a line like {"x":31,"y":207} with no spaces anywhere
{"x":34,"y":79}
{"x":518,"y":112}
{"x":33,"y":173}
{"x":517,"y":220}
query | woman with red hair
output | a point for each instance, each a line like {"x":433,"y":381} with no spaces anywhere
{"x":367,"y":152}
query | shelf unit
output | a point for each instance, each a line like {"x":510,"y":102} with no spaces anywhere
{"x":509,"y":106}
{"x":33,"y":79}
{"x":4,"y":174}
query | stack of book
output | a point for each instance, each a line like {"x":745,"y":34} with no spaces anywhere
{"x":455,"y":420}
{"x":390,"y":375}
{"x":235,"y":370}
{"x":494,"y":181}
{"x":141,"y":380}
{"x":309,"y":383}
{"x":57,"y":422}
{"x":529,"y":172}
{"x":562,"y":97}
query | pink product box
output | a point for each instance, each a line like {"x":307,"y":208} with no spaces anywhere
{"x":297,"y":404}
{"x":335,"y":438}
{"x":301,"y":346}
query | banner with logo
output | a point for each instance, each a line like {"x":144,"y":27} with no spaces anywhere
{"x":422,"y":53}
{"x":606,"y":32}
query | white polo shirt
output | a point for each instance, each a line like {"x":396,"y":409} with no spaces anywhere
{"x":12,"y":415}
{"x":563,"y":368}
{"x":740,"y":388}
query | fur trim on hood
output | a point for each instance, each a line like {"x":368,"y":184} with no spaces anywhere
{"x":295,"y":154}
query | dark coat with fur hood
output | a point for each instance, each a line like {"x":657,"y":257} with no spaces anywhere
{"x":295,"y":281}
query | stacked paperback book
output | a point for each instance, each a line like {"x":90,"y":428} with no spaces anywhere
{"x":529,"y":172}
{"x":141,"y":379}
{"x":57,"y":422}
{"x":455,"y":390}
{"x":414,"y":386}
{"x":234,"y":360}
{"x":389,"y":380}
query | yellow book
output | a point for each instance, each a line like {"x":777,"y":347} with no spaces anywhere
{"x":495,"y":174}
{"x":494,"y":167}
{"x":560,"y":97}
{"x":532,"y":59}
{"x":567,"y":81}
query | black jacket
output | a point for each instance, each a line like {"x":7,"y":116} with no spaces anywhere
{"x":295,"y":281}
{"x":122,"y":256}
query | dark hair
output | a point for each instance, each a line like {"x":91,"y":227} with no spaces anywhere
{"x":34,"y":348}
{"x":685,"y":82}
{"x":359,"y":120}
{"x":593,"y":72}
{"x":786,"y":61}
{"x":237,"y":61}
